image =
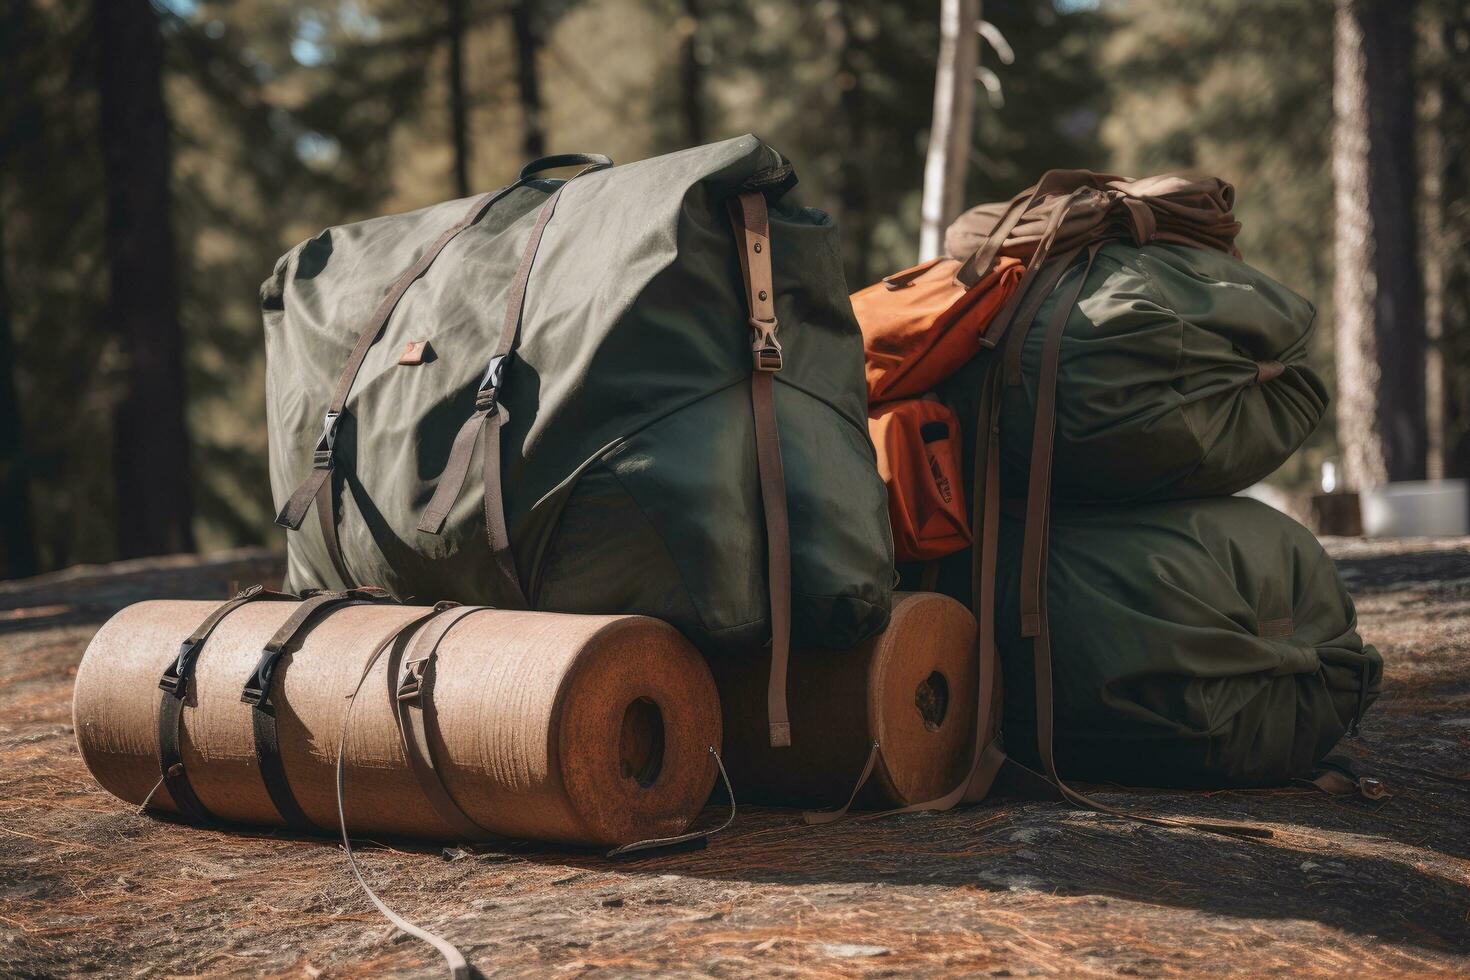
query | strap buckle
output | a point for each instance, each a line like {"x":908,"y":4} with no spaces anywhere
{"x":487,"y":396}
{"x":411,"y":684}
{"x":765,"y":349}
{"x":177,"y":675}
{"x":326,"y":442}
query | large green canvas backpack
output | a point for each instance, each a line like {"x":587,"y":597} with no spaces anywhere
{"x":596,"y":362}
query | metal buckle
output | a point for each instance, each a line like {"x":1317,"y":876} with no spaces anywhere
{"x":488,"y":394}
{"x":411,"y":685}
{"x":177,"y":675}
{"x":765,"y":349}
{"x":326,"y":442}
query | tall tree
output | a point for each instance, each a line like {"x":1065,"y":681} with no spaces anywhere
{"x":1378,"y":293}
{"x":691,"y":74}
{"x":952,"y":122}
{"x":526,"y":38}
{"x":150,"y":438}
{"x":17,"y":536}
{"x":458,"y":111}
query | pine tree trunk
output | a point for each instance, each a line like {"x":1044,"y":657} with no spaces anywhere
{"x":853,"y":192}
{"x":528,"y":77}
{"x":949,"y":133}
{"x":17,"y":536}
{"x":458,"y":123}
{"x":1378,"y":295}
{"x":150,"y":438}
{"x":691,"y":77}
{"x":1446,"y":255}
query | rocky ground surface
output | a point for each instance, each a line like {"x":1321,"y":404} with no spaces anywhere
{"x":87,"y":885}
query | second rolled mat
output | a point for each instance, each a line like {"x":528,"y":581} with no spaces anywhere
{"x":587,"y":730}
{"x":911,"y":688}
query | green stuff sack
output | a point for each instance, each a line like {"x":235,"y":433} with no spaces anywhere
{"x":628,"y":465}
{"x":1182,"y":374}
{"x":1198,"y":643}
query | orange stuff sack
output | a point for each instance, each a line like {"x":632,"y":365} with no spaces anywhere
{"x":920,"y":326}
{"x":918,"y":443}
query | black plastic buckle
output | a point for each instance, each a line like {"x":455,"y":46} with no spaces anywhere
{"x":487,"y":396}
{"x":260,"y":682}
{"x":326,"y":442}
{"x":176,"y":676}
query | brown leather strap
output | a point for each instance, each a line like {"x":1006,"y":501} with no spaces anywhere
{"x":979,"y":264}
{"x":1036,"y":284}
{"x":751,"y":222}
{"x":408,"y":708}
{"x":987,"y":752}
{"x":1267,"y":371}
{"x":483,"y":427}
{"x":1043,"y":431}
{"x":1034,"y":548}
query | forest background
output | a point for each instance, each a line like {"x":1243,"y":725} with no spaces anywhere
{"x":156,"y":156}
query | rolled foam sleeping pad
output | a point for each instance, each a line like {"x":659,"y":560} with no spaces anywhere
{"x":1198,"y":643}
{"x":911,"y":687}
{"x":587,"y":730}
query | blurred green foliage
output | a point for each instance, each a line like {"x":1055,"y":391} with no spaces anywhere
{"x":289,"y":115}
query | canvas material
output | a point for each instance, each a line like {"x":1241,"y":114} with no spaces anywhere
{"x":1195,"y":643}
{"x":628,"y":470}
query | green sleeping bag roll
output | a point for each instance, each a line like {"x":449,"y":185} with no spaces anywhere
{"x":1198,"y":643}
{"x":1183,"y":374}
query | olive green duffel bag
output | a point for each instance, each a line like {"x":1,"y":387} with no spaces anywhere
{"x":1182,"y":373}
{"x":571,"y":395}
{"x":1198,"y":643}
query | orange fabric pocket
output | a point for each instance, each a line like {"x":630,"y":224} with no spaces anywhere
{"x":918,"y":443}
{"x":919,"y":326}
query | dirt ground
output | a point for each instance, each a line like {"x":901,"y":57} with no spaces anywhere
{"x":87,"y":885}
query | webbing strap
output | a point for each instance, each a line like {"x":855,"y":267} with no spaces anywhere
{"x":751,"y":222}
{"x":174,"y":684}
{"x":459,"y":968}
{"x":483,"y":427}
{"x":1034,"y":619}
{"x":700,"y":836}
{"x":263,"y":711}
{"x":408,"y":708}
{"x":987,"y":754}
{"x":296,"y":507}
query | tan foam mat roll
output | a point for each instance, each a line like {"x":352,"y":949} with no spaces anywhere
{"x":577,"y":729}
{"x":911,"y":688}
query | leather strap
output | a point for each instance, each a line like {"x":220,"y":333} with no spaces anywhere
{"x":174,"y":684}
{"x":483,"y":427}
{"x":459,"y":968}
{"x":408,"y":708}
{"x":1034,"y":548}
{"x":987,"y":751}
{"x":257,"y":693}
{"x":695,"y":838}
{"x":751,"y":221}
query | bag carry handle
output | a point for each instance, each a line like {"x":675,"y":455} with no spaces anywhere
{"x":596,"y":161}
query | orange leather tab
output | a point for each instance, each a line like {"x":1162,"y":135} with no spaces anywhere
{"x":918,"y":443}
{"x":415,"y":353}
{"x":920,"y":326}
